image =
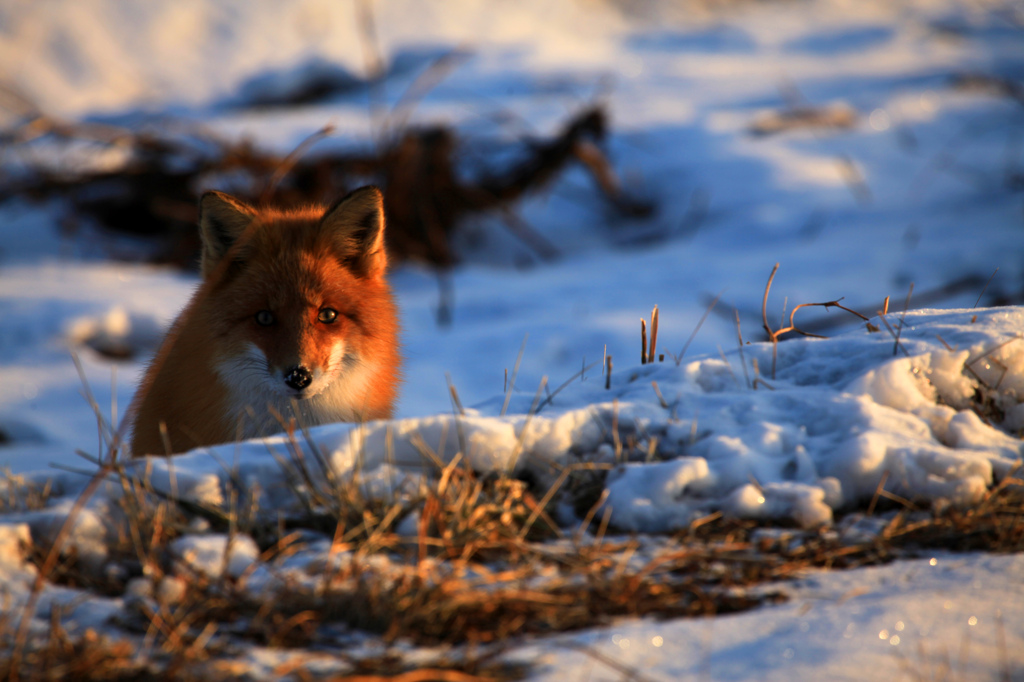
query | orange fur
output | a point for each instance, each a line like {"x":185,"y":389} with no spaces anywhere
{"x":223,"y":373}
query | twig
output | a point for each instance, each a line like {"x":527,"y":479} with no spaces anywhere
{"x":773,"y":336}
{"x":854,"y":179}
{"x":529,"y":236}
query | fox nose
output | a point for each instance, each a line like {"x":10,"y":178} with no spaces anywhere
{"x":298,"y":378}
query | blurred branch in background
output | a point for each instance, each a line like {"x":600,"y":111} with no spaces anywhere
{"x":146,"y":182}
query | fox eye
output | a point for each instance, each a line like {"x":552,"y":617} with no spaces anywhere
{"x":327,"y":315}
{"x":265,"y":318}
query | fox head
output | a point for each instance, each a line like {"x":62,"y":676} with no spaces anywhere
{"x":297,"y":306}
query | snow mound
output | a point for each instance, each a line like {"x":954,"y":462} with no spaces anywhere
{"x":931,"y":424}
{"x":117,"y":333}
{"x":212,"y":555}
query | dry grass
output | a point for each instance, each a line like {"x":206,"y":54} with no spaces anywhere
{"x":17,"y":493}
{"x":475,"y":575}
{"x":90,"y":657}
{"x":804,"y":117}
{"x":776,"y":334}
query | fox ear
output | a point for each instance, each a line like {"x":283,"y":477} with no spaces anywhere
{"x":222,"y":220}
{"x":355,"y":226}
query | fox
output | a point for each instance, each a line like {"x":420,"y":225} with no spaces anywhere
{"x":293,"y":318}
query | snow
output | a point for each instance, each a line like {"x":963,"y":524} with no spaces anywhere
{"x":15,"y":539}
{"x":914,"y":185}
{"x":893,"y":622}
{"x":206,"y":554}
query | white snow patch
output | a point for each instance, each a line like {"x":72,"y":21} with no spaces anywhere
{"x":205,"y":554}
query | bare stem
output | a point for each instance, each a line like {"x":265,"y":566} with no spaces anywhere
{"x":654,"y":334}
{"x":643,"y":341}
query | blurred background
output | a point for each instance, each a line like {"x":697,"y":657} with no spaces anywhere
{"x":552,"y":170}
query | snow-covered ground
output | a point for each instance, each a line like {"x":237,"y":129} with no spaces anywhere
{"x":901,"y":621}
{"x":922,"y":187}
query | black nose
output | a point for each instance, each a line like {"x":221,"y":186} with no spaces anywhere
{"x":298,"y":378}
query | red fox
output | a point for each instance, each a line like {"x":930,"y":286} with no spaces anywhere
{"x":294,"y":317}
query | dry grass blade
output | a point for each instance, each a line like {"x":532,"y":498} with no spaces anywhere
{"x":529,"y":236}
{"x":643,"y":341}
{"x":693,"y":334}
{"x":518,"y":449}
{"x":903,"y":317}
{"x":836,"y":116}
{"x":878,"y":492}
{"x":993,"y":349}
{"x":515,"y":373}
{"x":661,"y":398}
{"x":439,"y":69}
{"x":456,"y":403}
{"x":627,"y":672}
{"x":739,"y":339}
{"x":1001,"y":86}
{"x":551,"y":396}
{"x":764,"y":318}
{"x":764,"y":304}
{"x":985,"y":288}
{"x":654,"y":334}
{"x":539,"y":508}
{"x":892,"y":332}
{"x":108,"y":440}
{"x":288,"y":162}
